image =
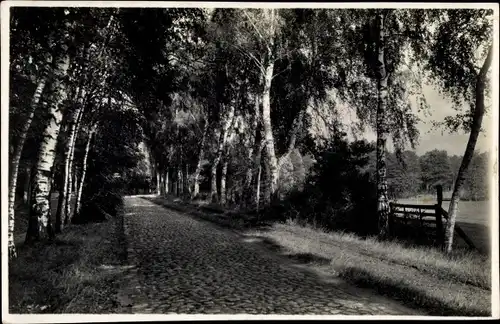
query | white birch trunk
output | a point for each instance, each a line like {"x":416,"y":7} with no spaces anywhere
{"x":16,"y":157}
{"x":64,"y":190}
{"x":257,"y":189}
{"x":382,"y":131}
{"x":223,"y":183}
{"x":196,"y":176}
{"x":469,"y":151}
{"x":187,"y":187}
{"x":39,"y":226}
{"x":179,"y":180}
{"x":84,"y":171}
{"x":158,"y":182}
{"x":167,"y":182}
{"x":226,"y":124}
{"x":272,"y":163}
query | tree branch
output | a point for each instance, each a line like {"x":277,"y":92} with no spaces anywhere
{"x":252,"y":57}
{"x":258,"y":32}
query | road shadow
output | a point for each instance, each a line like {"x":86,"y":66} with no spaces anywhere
{"x":307,"y":258}
{"x":270,"y":244}
{"x":479,"y":234}
{"x":410,"y":295}
{"x":412,"y":234}
{"x":299,"y":258}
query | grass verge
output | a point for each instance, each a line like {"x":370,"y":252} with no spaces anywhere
{"x":423,"y":278}
{"x":76,"y":273}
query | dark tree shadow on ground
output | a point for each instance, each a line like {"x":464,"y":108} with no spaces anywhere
{"x":308,"y":258}
{"x":411,"y":296}
{"x":478,"y":233}
{"x":411,"y":235}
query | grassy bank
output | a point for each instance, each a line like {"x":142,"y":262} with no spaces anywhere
{"x":76,"y":273}
{"x":424,"y":278}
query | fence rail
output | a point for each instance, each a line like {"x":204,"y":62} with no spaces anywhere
{"x":414,"y":206}
{"x":407,"y":212}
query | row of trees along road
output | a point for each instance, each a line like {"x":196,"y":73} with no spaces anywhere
{"x":231,"y":88}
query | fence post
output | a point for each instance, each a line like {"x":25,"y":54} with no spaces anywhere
{"x":439,"y":215}
{"x":391,"y":220}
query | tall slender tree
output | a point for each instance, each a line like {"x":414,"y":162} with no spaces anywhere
{"x":458,"y":61}
{"x":39,"y":226}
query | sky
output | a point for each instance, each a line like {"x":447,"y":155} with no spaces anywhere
{"x":441,"y":139}
{"x":453,"y":143}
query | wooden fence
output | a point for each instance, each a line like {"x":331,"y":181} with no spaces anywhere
{"x":424,"y":216}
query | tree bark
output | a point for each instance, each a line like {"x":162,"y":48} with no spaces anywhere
{"x":84,"y":171}
{"x":225,"y":158}
{"x":226,"y":123}
{"x":64,"y":206}
{"x":174,"y":181}
{"x":74,"y":136}
{"x":162,"y":184}
{"x":272,"y":163}
{"x":382,"y":194}
{"x":223,"y":183}
{"x":213,"y":181}
{"x":187,"y":189}
{"x":252,"y":153}
{"x":16,"y":157}
{"x":166,"y":181}
{"x":39,"y":227}
{"x":258,"y":170}
{"x":266,"y":190}
{"x":197,"y":171}
{"x":158,"y":181}
{"x":469,"y":150}
{"x":257,"y":189}
{"x":74,"y":182}
{"x":179,"y":180}
{"x":64,"y":190}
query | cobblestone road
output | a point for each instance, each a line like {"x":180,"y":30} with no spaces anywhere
{"x":184,"y":265}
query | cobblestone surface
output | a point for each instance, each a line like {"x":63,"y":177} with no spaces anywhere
{"x":187,"y":266}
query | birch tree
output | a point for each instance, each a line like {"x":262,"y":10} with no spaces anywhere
{"x":39,"y":226}
{"x":31,"y":60}
{"x":386,"y":78}
{"x":16,"y":155}
{"x":459,"y":63}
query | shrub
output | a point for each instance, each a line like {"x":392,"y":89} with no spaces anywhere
{"x":338,"y":193}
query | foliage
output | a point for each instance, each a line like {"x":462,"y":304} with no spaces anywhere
{"x":115,"y":151}
{"x":457,"y":50}
{"x":403,"y":175}
{"x":338,"y":193}
{"x":477,"y":179}
{"x":436,"y":170}
{"x":160,"y":77}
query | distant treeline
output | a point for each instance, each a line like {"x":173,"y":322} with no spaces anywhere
{"x":409,"y":174}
